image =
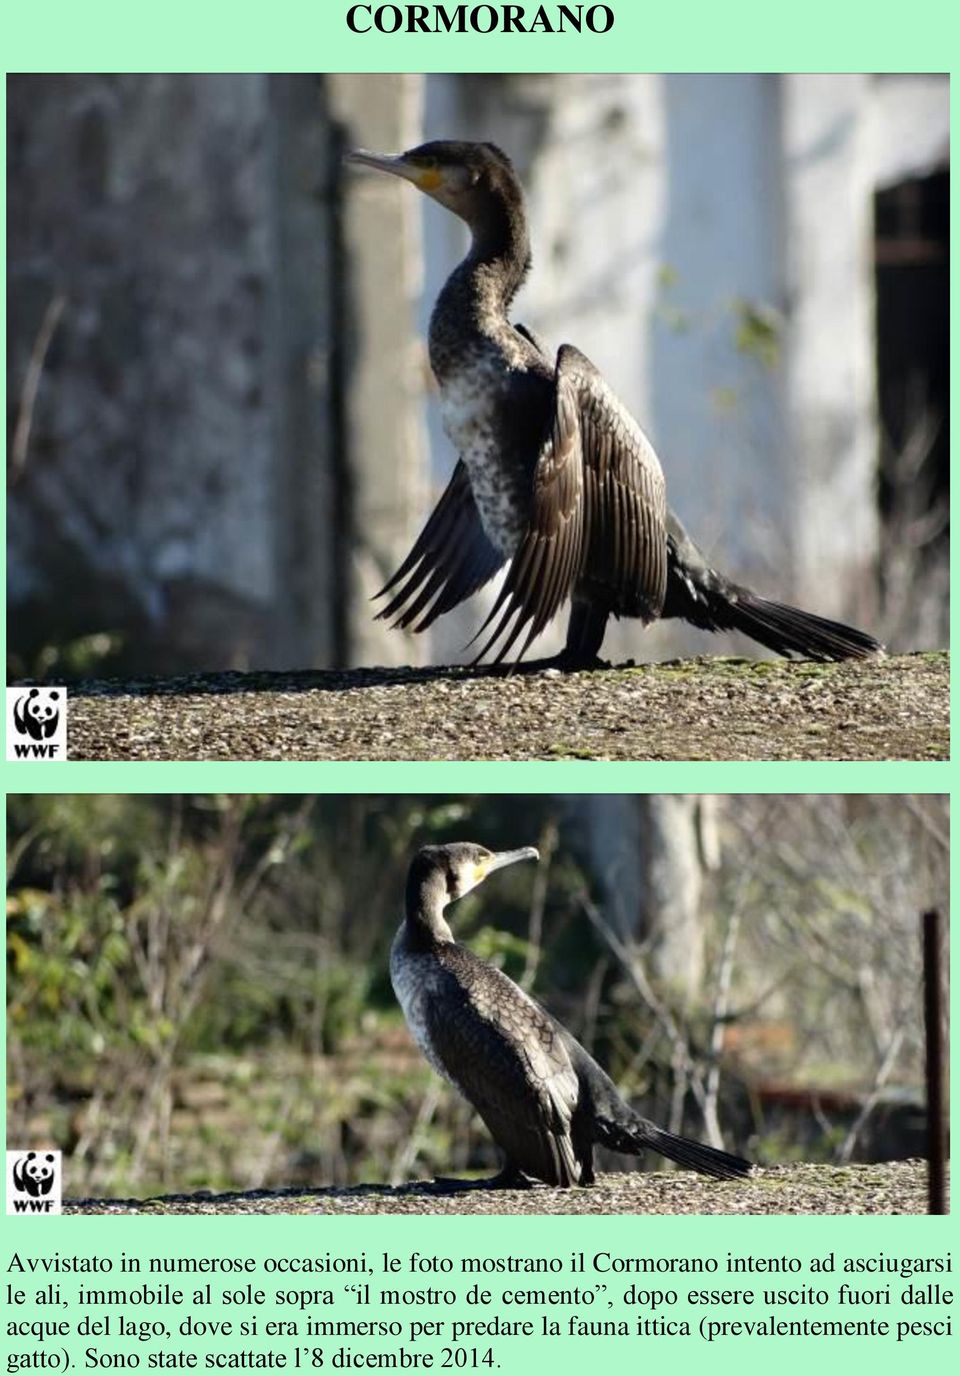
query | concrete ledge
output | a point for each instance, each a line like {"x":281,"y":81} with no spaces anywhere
{"x":893,"y":1187}
{"x":698,"y":709}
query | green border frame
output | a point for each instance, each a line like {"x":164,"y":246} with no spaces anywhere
{"x":699,"y":35}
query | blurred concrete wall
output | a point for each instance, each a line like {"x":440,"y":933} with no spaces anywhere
{"x":206,"y":437}
{"x":384,"y":439}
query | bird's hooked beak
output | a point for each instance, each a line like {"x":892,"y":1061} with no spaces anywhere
{"x":425,"y":178}
{"x":503,"y":858}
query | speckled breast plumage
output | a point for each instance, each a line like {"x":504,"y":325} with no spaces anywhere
{"x":415,"y":980}
{"x":473,"y":404}
{"x":507,"y":1027}
{"x":478,"y":360}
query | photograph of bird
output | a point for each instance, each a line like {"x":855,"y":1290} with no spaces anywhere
{"x":543,"y":1098}
{"x":554,"y":477}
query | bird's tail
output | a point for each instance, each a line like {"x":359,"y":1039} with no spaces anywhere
{"x":788,"y":630}
{"x":616,"y":1124}
{"x":624,"y":1130}
{"x":697,"y":1156}
{"x":698,"y":594}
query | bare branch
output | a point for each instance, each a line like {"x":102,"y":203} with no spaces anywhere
{"x":20,"y":444}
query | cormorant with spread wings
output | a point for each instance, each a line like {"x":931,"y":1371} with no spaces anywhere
{"x":555,"y":478}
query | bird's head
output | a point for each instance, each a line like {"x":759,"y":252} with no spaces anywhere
{"x":467,"y":178}
{"x":460,"y":866}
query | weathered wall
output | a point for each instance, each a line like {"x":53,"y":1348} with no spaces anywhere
{"x":384,"y":451}
{"x":831,"y":442}
{"x":187,"y":483}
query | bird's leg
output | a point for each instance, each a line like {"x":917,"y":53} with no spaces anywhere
{"x":569,"y":661}
{"x":588,"y":624}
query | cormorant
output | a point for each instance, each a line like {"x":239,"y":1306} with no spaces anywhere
{"x":544,"y":1099}
{"x":554,"y":474}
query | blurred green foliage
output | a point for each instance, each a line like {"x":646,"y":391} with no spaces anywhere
{"x":150,"y":937}
{"x":77,"y":657}
{"x":758,"y":331}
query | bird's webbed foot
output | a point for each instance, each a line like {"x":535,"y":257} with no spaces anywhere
{"x":510,"y":1178}
{"x":570,"y":661}
{"x":566,"y":662}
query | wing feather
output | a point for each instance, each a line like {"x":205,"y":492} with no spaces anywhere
{"x":544,"y":568}
{"x":597,"y":517}
{"x":625,"y":495}
{"x":451,"y":559}
{"x":507,"y":1057}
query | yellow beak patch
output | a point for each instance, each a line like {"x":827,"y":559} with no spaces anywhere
{"x":429,"y":179}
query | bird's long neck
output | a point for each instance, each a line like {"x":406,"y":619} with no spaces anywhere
{"x":499,"y":257}
{"x":476,"y":298}
{"x":426,"y":898}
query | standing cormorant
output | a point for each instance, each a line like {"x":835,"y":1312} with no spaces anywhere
{"x":554,"y":474}
{"x":544,"y":1099}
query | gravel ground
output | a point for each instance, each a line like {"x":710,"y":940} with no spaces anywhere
{"x":894,"y":1187}
{"x":700,"y":709}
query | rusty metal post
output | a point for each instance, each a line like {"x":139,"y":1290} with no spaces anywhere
{"x":933,"y":1022}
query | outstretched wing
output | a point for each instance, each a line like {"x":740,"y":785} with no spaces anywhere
{"x":546,"y":565}
{"x":598,"y":514}
{"x":451,"y":559}
{"x":625,"y":495}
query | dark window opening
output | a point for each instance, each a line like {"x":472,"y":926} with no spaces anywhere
{"x":912,"y":321}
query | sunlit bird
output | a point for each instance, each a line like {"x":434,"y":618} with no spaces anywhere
{"x":555,"y":478}
{"x":544,"y":1099}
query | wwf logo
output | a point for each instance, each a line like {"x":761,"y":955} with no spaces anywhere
{"x":37,"y":714}
{"x":33,"y":1182}
{"x":34,"y":1174}
{"x":37,"y":724}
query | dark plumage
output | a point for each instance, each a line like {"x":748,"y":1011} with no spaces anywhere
{"x":554,"y":477}
{"x":545,"y":1101}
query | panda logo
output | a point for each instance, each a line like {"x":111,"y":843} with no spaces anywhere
{"x":37,"y":713}
{"x":33,"y":1174}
